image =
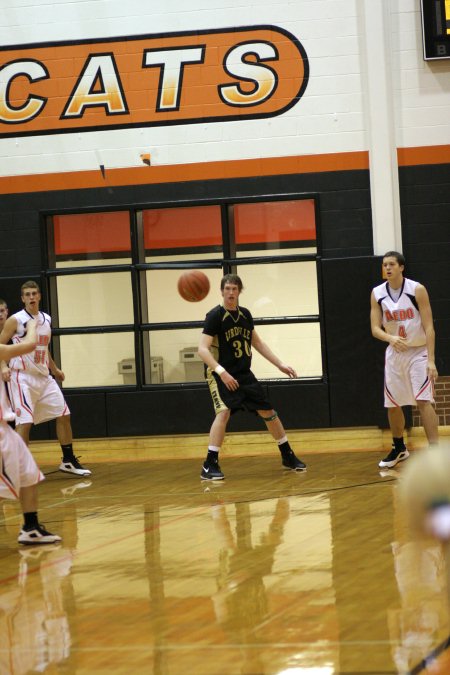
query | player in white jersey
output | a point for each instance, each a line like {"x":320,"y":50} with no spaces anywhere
{"x":19,"y":473}
{"x":35,"y":395}
{"x":401,"y":315}
{"x":3,"y":316}
{"x":3,"y":313}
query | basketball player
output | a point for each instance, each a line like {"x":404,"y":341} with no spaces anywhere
{"x":19,"y":474}
{"x":35,"y":396}
{"x":401,"y":316}
{"x":226,"y":347}
{"x":3,"y":313}
{"x":3,"y":317}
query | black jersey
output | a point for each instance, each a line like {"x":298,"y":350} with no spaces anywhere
{"x":231,"y":331}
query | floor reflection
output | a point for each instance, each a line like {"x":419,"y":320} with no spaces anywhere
{"x":265,"y":574}
{"x":35,"y":627}
{"x":241,"y":604}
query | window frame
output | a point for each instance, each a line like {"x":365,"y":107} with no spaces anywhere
{"x":141,"y":326}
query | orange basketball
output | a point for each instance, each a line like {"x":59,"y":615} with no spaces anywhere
{"x":193,"y":285}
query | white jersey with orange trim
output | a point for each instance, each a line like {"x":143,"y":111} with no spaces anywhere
{"x":36,"y":362}
{"x":6,"y":412}
{"x":17,"y":466}
{"x":401,"y":317}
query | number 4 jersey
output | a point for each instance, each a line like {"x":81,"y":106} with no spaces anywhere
{"x":401,"y":316}
{"x":36,"y":362}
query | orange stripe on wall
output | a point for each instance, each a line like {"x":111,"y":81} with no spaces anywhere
{"x":244,"y":168}
{"x":435,"y":154}
{"x":144,"y":175}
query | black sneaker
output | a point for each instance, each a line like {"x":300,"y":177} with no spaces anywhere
{"x":211,"y":471}
{"x":37,"y":535}
{"x":73,"y":466}
{"x":291,"y":462}
{"x":394,"y":457}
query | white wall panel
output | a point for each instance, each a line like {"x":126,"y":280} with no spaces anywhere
{"x":328,"y":118}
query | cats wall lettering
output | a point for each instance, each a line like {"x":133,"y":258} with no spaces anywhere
{"x":151,"y":80}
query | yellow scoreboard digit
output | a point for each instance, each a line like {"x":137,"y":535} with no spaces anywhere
{"x":447,"y":15}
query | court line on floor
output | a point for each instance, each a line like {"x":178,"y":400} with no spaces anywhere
{"x":431,"y":659}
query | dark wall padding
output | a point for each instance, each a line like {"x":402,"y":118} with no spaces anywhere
{"x":190,"y":411}
{"x":353,"y":395}
{"x":425,"y":210}
{"x":355,"y":358}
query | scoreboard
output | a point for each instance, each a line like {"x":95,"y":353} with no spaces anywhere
{"x":436,"y":29}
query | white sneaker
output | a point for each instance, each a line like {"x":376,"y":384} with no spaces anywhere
{"x":393,"y":458}
{"x":74,"y":467}
{"x":37,"y":535}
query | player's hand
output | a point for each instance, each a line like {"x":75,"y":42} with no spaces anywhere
{"x":432,"y":371}
{"x":6,"y":374}
{"x":287,"y":370}
{"x":229,"y":381}
{"x":59,"y":375}
{"x":400,"y":344}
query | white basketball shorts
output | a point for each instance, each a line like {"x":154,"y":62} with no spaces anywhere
{"x":406,"y":378}
{"x":17,"y":466}
{"x":35,"y":398}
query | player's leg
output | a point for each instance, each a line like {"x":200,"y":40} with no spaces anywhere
{"x":52,"y":405}
{"x":24,"y":431}
{"x":69,"y":463}
{"x":218,"y":428}
{"x":23,"y":396}
{"x":423,"y":389}
{"x":33,"y":532}
{"x":211,"y":469}
{"x":20,"y":479}
{"x":399,"y":451}
{"x":397,"y":392}
{"x":278,"y":433}
{"x":429,"y":420}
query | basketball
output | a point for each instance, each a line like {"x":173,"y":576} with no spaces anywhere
{"x":193,"y":286}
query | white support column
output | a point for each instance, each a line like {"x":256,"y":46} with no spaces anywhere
{"x":380,"y":115}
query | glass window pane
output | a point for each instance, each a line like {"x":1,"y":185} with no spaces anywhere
{"x":191,"y":230}
{"x":296,"y":344}
{"x":273,"y":226}
{"x":166,"y":304}
{"x":95,"y":360}
{"x":95,"y":299}
{"x":279,"y":289}
{"x":174,"y":356}
{"x":102,"y":237}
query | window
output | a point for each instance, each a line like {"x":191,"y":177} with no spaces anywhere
{"x":118,"y":319}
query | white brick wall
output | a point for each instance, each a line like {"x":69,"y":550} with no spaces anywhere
{"x":328,"y":118}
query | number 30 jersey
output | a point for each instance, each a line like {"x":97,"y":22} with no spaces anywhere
{"x":401,"y":317}
{"x":231,"y":331}
{"x":36,"y":362}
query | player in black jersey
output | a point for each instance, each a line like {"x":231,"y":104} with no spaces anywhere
{"x":226,"y":348}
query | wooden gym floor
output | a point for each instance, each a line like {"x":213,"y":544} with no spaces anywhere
{"x":265,"y":573}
